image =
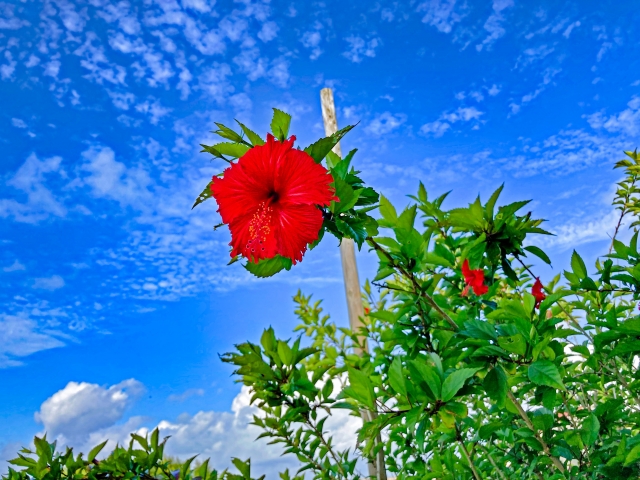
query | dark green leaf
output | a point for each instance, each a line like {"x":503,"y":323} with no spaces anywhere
{"x":544,"y":372}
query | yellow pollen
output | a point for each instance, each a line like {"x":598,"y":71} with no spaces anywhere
{"x":259,"y":226}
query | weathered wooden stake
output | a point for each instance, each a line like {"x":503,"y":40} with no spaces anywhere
{"x":350,"y":272}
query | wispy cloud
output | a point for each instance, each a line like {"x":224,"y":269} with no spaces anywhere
{"x":22,"y":337}
{"x":494,"y":24}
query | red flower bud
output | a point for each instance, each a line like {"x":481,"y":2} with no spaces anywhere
{"x":537,"y":292}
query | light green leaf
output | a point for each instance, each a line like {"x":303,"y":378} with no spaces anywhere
{"x":269,"y":266}
{"x":280,"y":124}
{"x":253,"y":137}
{"x":578,"y":266}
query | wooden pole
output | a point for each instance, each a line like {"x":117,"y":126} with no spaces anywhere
{"x":377,"y":470}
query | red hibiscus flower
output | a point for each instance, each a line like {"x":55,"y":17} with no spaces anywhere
{"x":269,"y":199}
{"x":537,"y":292}
{"x":474,"y":279}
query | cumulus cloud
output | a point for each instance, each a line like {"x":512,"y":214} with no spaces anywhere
{"x":385,"y":123}
{"x":80,"y":409}
{"x":360,"y":48}
{"x":82,"y":415}
{"x":20,"y":337}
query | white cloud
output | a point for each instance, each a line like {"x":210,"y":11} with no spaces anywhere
{"x":16,"y":266}
{"x":122,"y":100}
{"x":279,"y":72}
{"x":201,"y":6}
{"x":447,"y":119}
{"x":8,"y":20}
{"x":72,"y":20}
{"x":311,"y":40}
{"x":153,"y":109}
{"x":192,"y":392}
{"x":494,"y":24}
{"x":20,"y":337}
{"x":40,"y":201}
{"x":437,"y":128}
{"x":360,"y":48}
{"x":440,"y":14}
{"x":82,"y":415}
{"x":580,"y":231}
{"x":570,"y":28}
{"x":626,"y":122}
{"x":385,"y":123}
{"x":96,"y":62}
{"x":79,"y":409}
{"x":494,"y":90}
{"x":111,"y":179}
{"x":533,"y":55}
{"x":7,"y":69}
{"x":18,"y":123}
{"x":268,"y":32}
{"x":214,"y":81}
{"x":53,"y":282}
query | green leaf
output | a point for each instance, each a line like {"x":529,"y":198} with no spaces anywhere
{"x":489,"y":208}
{"x":578,"y":266}
{"x":269,"y":266}
{"x":479,"y":329}
{"x":243,"y":466}
{"x":285,"y":353}
{"x":544,"y":372}
{"x":235,"y":150}
{"x":590,"y":430}
{"x":513,"y":343}
{"x":430,"y":376}
{"x":346,"y":194}
{"x":95,"y":451}
{"x":204,"y":195}
{"x":397,"y":378}
{"x":538,"y":253}
{"x":322,"y":147}
{"x":632,"y":456}
{"x":280,"y":124}
{"x":495,"y":384}
{"x":253,"y":137}
{"x":361,"y":387}
{"x":454,"y":382}
{"x":226,"y":132}
{"x":387,"y":210}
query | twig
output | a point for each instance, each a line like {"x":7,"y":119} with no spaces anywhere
{"x":527,"y":421}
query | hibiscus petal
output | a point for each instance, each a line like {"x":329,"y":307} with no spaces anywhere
{"x":296,"y":227}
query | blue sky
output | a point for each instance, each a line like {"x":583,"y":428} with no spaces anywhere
{"x":115,"y":297}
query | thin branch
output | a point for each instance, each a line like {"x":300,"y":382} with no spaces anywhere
{"x":527,"y":421}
